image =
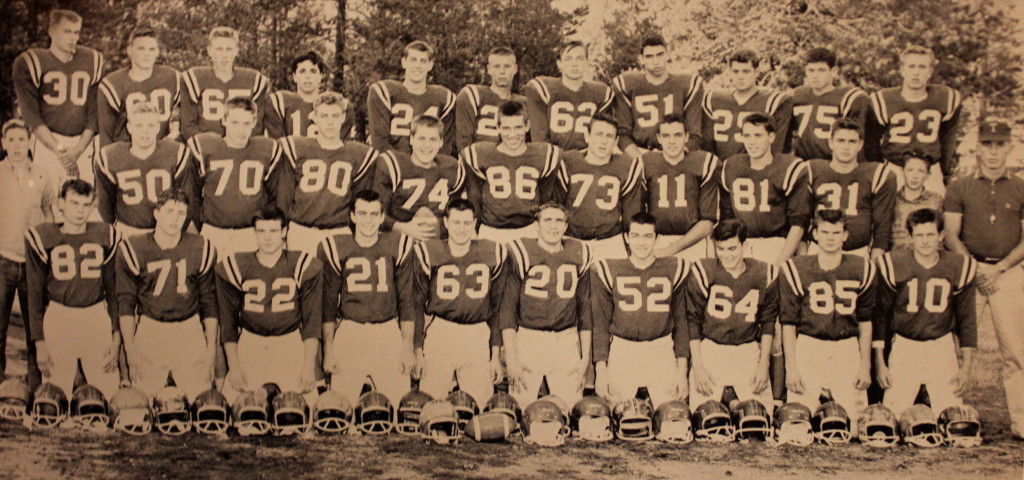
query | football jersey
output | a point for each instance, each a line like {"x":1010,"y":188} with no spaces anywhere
{"x":316,"y":184}
{"x":72,"y":270}
{"x":813,"y":116}
{"x":127,"y":187}
{"x":722,"y":120}
{"x":204,"y":105}
{"x":476,"y":115}
{"x":167,"y":285}
{"x":767,"y":201}
{"x":120,"y":92}
{"x":679,"y":196}
{"x":827,"y":304}
{"x":289,"y":114}
{"x":390,"y":108}
{"x":269,"y":301}
{"x":601,"y":198}
{"x":406,"y":187}
{"x":505,"y":189}
{"x":867,"y":196}
{"x":922,"y":303}
{"x":732,"y":310}
{"x":366,"y":284}
{"x":640,"y":106}
{"x":897,"y":126}
{"x":235,"y":182}
{"x":60,"y":95}
{"x":561,"y":116}
{"x":639,"y":304}
{"x":547,"y":291}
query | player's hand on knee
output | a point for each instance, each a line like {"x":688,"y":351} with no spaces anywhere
{"x":43,"y":360}
{"x":794,"y":382}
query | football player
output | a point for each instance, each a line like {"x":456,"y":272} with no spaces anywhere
{"x":926,"y":297}
{"x":71,"y":309}
{"x":209,"y":88}
{"x":391,"y":105}
{"x":506,"y":181}
{"x":270,"y":305}
{"x":641,"y":337}
{"x":545,"y":315}
{"x":819,"y":102}
{"x":864,"y":191}
{"x":476,"y":107}
{"x":680,"y":191}
{"x":725,"y":110}
{"x":291,"y":112}
{"x":320,"y":175}
{"x":367,"y":282}
{"x":56,"y":93}
{"x":560,"y":109}
{"x":828,"y":300}
{"x":166,"y":279}
{"x":732,"y":306}
{"x":459,"y":283}
{"x":142,"y":81}
{"x":643,"y":99}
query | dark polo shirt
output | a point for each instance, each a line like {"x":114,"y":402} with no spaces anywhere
{"x":992,"y":212}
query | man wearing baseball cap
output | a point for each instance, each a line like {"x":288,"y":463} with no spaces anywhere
{"x":984,"y":219}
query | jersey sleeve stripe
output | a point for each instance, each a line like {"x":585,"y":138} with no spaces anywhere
{"x":460,"y":178}
{"x":609,"y":97}
{"x":472,"y":160}
{"x":277,"y":103}
{"x":97,"y":67}
{"x":366,"y":165}
{"x":698,"y":273}
{"x":792,"y":174}
{"x":197,"y":152}
{"x":35,"y":70}
{"x":35,"y":241}
{"x":182,"y":162}
{"x":275,"y":159}
{"x":177,"y":89}
{"x":588,"y":258}
{"x":423,"y":257}
{"x":722,"y":179}
{"x":620,"y":86}
{"x":499,"y":261}
{"x":234,"y":275}
{"x":633,"y":177}
{"x":869,"y":276}
{"x":209,"y":257}
{"x":449,"y":104}
{"x":952,"y":105}
{"x":114,"y":237}
{"x":967,"y":272}
{"x":405,"y":245}
{"x":552,"y":161}
{"x":110,"y":93}
{"x":259,"y":86}
{"x":887,"y":271}
{"x":393,"y":168}
{"x":518,"y":253}
{"x":301,"y":265}
{"x":474,"y":98}
{"x":130,"y":259}
{"x":849,"y":100}
{"x":774,"y":101}
{"x":604,"y":273}
{"x":773,"y":273}
{"x":691,"y":95}
{"x":682,"y":270}
{"x":710,"y":166}
{"x":542,"y":90}
{"x":878,"y":105}
{"x":792,"y":276}
{"x":288,"y":146}
{"x":102,"y":164}
{"x":381,"y":91}
{"x":192,"y":85}
{"x":331,"y":252}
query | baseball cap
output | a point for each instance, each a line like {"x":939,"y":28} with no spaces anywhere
{"x":993,"y":130}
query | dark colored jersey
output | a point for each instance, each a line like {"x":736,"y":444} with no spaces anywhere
{"x":547,"y":291}
{"x":680,"y":195}
{"x":476,"y":115}
{"x":640,"y":106}
{"x":366,"y":284}
{"x":60,"y":95}
{"x":767,"y":201}
{"x":639,"y":304}
{"x":235,"y":182}
{"x":732,"y":310}
{"x":601,"y":198}
{"x":166,"y":285}
{"x":72,"y":270}
{"x":828,"y":304}
{"x":390,"y":108}
{"x":269,"y":301}
{"x":813,"y":116}
{"x":867,"y":196}
{"x":289,"y":114}
{"x":505,"y":189}
{"x":923,"y":303}
{"x":406,"y":187}
{"x":722,"y":120}
{"x":897,"y":126}
{"x":204,"y":106}
{"x":316,"y":184}
{"x":127,"y":187}
{"x":561,"y":116}
{"x":120,"y":92}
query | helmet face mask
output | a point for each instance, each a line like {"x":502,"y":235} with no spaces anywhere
{"x":752,"y":421}
{"x":250,"y":413}
{"x":793,"y":425}
{"x":591,"y":419}
{"x":439,"y":422}
{"x":49,"y":406}
{"x":130,"y":412}
{"x":465,"y":407}
{"x":291,"y":414}
{"x":373,"y":414}
{"x":409,"y":409}
{"x":89,"y":407}
{"x":15,"y":397}
{"x":672,"y":423}
{"x":918,"y":427}
{"x":878,"y":427}
{"x":544,"y":423}
{"x":211,"y":414}
{"x":634,"y":420}
{"x":960,"y":426}
{"x":713,"y":423}
{"x":831,"y":424}
{"x":333,"y":413}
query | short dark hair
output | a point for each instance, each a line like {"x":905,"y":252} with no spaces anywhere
{"x":920,"y":155}
{"x":922,"y":216}
{"x":653,"y":40}
{"x":605,"y":118}
{"x":511,"y":108}
{"x":172,"y":194}
{"x":760,"y":119}
{"x":243,"y":103}
{"x":311,"y":57}
{"x":459,"y":204}
{"x":77,"y":186}
{"x":419,"y":45}
{"x":426,"y":121}
{"x":13,"y":124}
{"x":547,"y":205}
{"x":142,"y":31}
{"x":270,"y":212}
{"x":502,"y":51}
{"x":61,"y":15}
{"x":821,"y":55}
{"x":745,"y":56}
{"x":673,"y":118}
{"x":727,"y":229}
{"x":567,"y":46}
{"x":846,"y":123}
{"x":643,"y":218}
{"x":826,"y":215}
{"x":366,"y":196}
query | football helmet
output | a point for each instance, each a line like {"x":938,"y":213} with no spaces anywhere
{"x":210,"y":413}
{"x":251,"y":413}
{"x":544,"y":423}
{"x":672,"y":422}
{"x":333,"y":413}
{"x":752,"y":421}
{"x":130,"y":412}
{"x":49,"y":406}
{"x":291,"y":414}
{"x":14,"y":399}
{"x":89,"y":407}
{"x":591,"y":419}
{"x":502,"y":402}
{"x":465,"y":406}
{"x":831,"y":424}
{"x":918,"y":427}
{"x":878,"y":427}
{"x":439,"y":422}
{"x":634,"y":420}
{"x":793,"y":425}
{"x":961,"y":426}
{"x":171,"y":408}
{"x":712,"y":422}
{"x":373,"y":414}
{"x":409,"y":409}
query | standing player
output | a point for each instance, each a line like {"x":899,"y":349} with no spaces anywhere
{"x":367,"y":282}
{"x":391,"y":105}
{"x":926,"y":297}
{"x":725,"y":111}
{"x":732,"y":306}
{"x":71,"y":309}
{"x":643,"y":99}
{"x":166,"y":278}
{"x":476,"y":107}
{"x":912,"y":196}
{"x":209,"y":88}
{"x":560,"y":109}
{"x":56,"y":90}
{"x":143,"y":81}
{"x":818,"y":103}
{"x":641,"y":337}
{"x":291,"y":112}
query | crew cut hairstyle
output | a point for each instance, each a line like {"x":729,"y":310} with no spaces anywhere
{"x":224,"y":32}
